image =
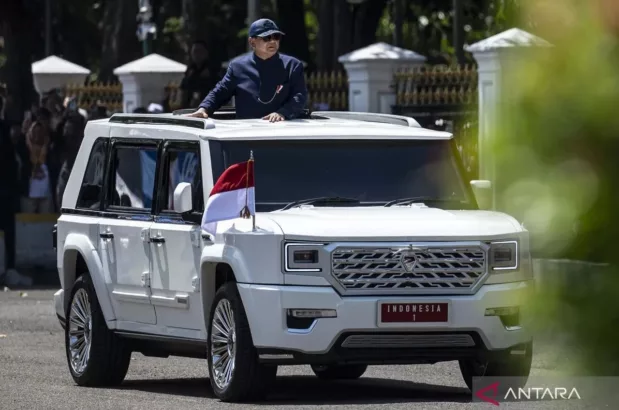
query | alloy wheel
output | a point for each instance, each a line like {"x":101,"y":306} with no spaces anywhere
{"x":223,"y":344}
{"x":80,"y":331}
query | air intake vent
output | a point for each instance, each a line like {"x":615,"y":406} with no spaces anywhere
{"x":369,"y":341}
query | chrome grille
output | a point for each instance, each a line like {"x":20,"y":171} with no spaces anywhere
{"x":409,"y":270}
{"x":407,"y":341}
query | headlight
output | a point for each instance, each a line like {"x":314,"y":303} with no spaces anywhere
{"x":509,"y":260}
{"x":504,"y":255}
{"x":303,"y":257}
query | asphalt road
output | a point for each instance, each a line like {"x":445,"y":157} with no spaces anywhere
{"x":34,"y":375}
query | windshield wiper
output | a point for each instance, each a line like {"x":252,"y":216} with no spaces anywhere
{"x":322,"y":199}
{"x":405,"y":201}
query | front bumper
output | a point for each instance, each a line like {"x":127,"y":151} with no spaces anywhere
{"x":59,"y":307}
{"x":467,"y":332}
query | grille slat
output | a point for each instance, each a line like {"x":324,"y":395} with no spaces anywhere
{"x":407,"y":269}
{"x":372,"y":280}
{"x":407,"y":341}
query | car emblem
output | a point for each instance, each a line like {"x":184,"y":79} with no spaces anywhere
{"x":409,"y":260}
{"x":408,"y":257}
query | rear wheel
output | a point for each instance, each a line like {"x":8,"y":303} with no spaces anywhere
{"x":235,"y":373}
{"x":96,"y":356}
{"x":339,"y":372}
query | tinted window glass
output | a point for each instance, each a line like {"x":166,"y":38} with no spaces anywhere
{"x":92,"y":185}
{"x":372,"y":171}
{"x":135,"y":176}
{"x":183,"y":166}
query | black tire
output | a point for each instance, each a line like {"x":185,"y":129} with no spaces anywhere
{"x":250,"y":380}
{"x":339,"y":372}
{"x":516,"y":366}
{"x":109,"y":358}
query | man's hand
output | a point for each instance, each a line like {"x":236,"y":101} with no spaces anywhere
{"x":201,"y":113}
{"x":273,"y":117}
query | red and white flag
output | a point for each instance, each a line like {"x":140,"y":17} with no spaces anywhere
{"x":233,"y":196}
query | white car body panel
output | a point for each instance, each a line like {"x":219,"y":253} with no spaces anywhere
{"x":265,"y":306}
{"x":126,"y":259}
{"x":175,"y":269}
{"x":407,"y":223}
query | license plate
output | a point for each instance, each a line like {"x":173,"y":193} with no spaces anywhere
{"x":413,"y":312}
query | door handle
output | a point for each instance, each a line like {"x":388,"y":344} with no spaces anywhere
{"x":158,"y":239}
{"x":106,"y":235}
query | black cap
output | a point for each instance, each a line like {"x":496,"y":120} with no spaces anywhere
{"x":263,"y":28}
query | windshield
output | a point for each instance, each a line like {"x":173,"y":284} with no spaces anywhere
{"x":371,"y":171}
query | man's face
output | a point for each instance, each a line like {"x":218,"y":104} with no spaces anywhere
{"x":268,"y":45}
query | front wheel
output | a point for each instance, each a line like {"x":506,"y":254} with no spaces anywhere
{"x":235,"y":373}
{"x":339,"y":372}
{"x":517,"y":367}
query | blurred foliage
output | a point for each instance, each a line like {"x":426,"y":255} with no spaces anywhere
{"x":557,"y":143}
{"x":428,"y":25}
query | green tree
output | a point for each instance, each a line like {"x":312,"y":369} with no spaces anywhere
{"x":556,"y":154}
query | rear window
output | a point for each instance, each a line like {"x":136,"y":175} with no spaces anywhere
{"x":91,"y":189}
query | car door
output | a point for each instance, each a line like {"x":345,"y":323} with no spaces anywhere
{"x":176,"y":241}
{"x":125,"y":226}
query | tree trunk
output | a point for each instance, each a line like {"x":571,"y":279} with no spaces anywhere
{"x":292,"y":22}
{"x":16,"y":22}
{"x":366,"y":22}
{"x":344,"y":27}
{"x":120,"y":43}
{"x":326,"y":31}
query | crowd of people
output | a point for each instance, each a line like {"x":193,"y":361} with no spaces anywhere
{"x":36,"y":158}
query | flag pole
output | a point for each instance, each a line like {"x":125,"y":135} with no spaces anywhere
{"x":253,"y":215}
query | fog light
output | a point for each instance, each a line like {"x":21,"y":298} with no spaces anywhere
{"x":510,"y":316}
{"x":312,"y":313}
{"x":502,"y":311}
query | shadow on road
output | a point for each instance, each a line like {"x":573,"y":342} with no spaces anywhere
{"x":310,"y":390}
{"x":192,"y":387}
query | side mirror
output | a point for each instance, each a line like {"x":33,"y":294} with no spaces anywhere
{"x":182,"y":198}
{"x":483,"y":193}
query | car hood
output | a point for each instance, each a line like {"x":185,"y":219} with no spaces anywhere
{"x":416,"y":222}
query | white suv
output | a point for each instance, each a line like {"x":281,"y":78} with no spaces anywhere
{"x":369,"y":247}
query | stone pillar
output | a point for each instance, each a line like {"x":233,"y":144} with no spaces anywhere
{"x":370,"y":75}
{"x":54,"y":72}
{"x":495,"y":56}
{"x":144,"y":80}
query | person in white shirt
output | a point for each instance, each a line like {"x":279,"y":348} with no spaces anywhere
{"x":39,"y":199}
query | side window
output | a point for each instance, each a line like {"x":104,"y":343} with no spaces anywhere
{"x":89,"y":196}
{"x":182,"y":165}
{"x":134,"y":176}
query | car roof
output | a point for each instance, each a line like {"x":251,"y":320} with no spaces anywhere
{"x":320,"y":125}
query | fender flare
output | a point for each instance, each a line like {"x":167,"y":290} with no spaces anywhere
{"x":82,"y":245}
{"x":222,"y":253}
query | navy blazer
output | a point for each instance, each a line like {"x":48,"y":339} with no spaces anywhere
{"x":261,"y":87}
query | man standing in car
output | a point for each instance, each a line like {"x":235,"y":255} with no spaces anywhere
{"x":265,"y":83}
